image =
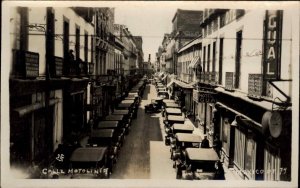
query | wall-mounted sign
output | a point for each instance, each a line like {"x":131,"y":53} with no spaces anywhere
{"x":272,"y":123}
{"x":229,"y":80}
{"x":272,"y":44}
{"x":207,"y":97}
{"x":255,"y":85}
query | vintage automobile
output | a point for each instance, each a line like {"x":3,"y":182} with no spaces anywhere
{"x":171,"y":119}
{"x":127,"y":116}
{"x":120,"y":131}
{"x":121,"y":120}
{"x":168,"y":101}
{"x":105,"y":138}
{"x":177,"y":128}
{"x":154,"y":106}
{"x":183,"y":141}
{"x":135,"y":106}
{"x":163,"y":94}
{"x":94,"y":162}
{"x":171,"y":105}
{"x":171,"y":111}
{"x":200,"y":164}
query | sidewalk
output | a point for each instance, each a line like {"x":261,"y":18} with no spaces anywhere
{"x":230,"y":173}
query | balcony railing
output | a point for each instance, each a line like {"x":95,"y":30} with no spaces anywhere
{"x":229,"y":81}
{"x":27,"y":63}
{"x":255,"y":83}
{"x":77,"y":68}
{"x":208,"y":77}
{"x":186,"y":77}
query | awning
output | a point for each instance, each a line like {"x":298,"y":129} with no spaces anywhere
{"x":183,"y":85}
{"x":21,"y":111}
{"x":164,"y":77}
{"x":194,"y":62}
{"x":170,"y":84}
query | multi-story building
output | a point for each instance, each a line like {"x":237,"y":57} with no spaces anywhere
{"x":245,"y":90}
{"x":186,"y":27}
{"x":138,"y":40}
{"x":189,"y":57}
{"x":48,"y":83}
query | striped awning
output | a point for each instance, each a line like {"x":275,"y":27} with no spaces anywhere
{"x":194,"y":62}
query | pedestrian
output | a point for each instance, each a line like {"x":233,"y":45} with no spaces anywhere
{"x":220,"y":174}
{"x":205,"y":142}
{"x":217,"y":145}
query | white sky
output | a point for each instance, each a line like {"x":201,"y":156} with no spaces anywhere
{"x":151,"y":19}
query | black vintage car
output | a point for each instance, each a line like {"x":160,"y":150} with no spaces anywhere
{"x":127,"y":116}
{"x":183,"y":141}
{"x":119,"y":130}
{"x":134,"y":105}
{"x":200,"y":164}
{"x":154,"y":106}
{"x":177,"y":128}
{"x":94,"y":162}
{"x":105,"y":138}
{"x":171,"y":111}
{"x":121,"y":120}
{"x":171,"y":119}
{"x":171,"y":105}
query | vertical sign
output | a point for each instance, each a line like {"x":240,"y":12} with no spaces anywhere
{"x":272,"y":44}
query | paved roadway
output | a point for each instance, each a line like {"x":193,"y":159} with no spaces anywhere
{"x":144,"y":155}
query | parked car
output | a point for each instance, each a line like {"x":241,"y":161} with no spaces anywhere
{"x":200,"y":164}
{"x":121,"y":120}
{"x":127,"y":118}
{"x":163,"y":94}
{"x":105,"y":138}
{"x":120,"y":131}
{"x":171,"y":119}
{"x":94,"y":160}
{"x":154,"y":106}
{"x":183,"y":141}
{"x":177,"y":128}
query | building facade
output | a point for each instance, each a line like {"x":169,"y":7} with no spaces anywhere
{"x":245,"y":89}
{"x":48,"y":80}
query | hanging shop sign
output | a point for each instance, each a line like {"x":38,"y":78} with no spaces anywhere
{"x":204,"y":96}
{"x":272,"y":44}
{"x":272,"y":121}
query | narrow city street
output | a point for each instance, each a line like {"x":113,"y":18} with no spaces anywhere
{"x":121,"y":91}
{"x":144,"y":155}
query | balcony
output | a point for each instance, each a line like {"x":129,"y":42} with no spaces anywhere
{"x":56,"y":68}
{"x":208,"y":78}
{"x":229,"y":81}
{"x":185,"y":77}
{"x":27,"y":64}
{"x":77,"y":68}
{"x":255,"y":85}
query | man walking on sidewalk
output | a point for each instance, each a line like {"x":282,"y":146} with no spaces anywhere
{"x":205,"y":142}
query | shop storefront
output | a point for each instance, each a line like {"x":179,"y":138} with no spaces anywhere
{"x":255,"y":139}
